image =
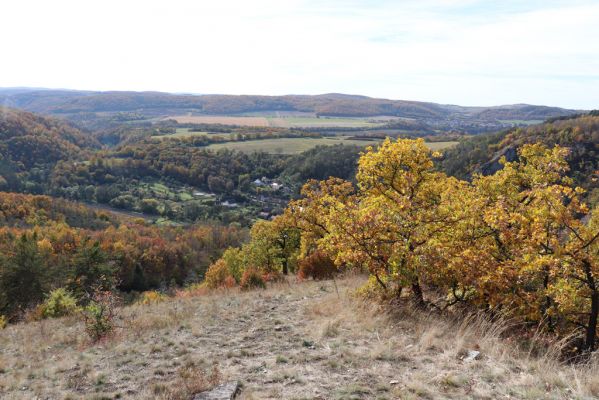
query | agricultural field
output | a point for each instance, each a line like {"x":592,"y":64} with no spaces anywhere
{"x":301,"y":121}
{"x":298,"y":145}
{"x":219,"y":119}
{"x":323,"y":122}
{"x":186,"y":132}
{"x":521,"y":121}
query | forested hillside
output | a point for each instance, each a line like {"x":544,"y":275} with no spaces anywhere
{"x":49,"y":243}
{"x":141,"y":105}
{"x":579,"y":134}
{"x":30,"y":146}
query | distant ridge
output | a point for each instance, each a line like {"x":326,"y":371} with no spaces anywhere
{"x":331,"y":104}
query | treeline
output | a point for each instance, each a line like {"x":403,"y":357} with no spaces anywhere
{"x":520,"y":241}
{"x":40,"y":251}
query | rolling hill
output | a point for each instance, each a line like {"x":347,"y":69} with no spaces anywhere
{"x":472,"y":119}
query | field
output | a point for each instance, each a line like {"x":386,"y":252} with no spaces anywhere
{"x":216,"y":119}
{"x":298,"y":145}
{"x":322,"y":122}
{"x":185,"y":132}
{"x":521,"y":121}
{"x":281,"y":122}
{"x":311,"y":340}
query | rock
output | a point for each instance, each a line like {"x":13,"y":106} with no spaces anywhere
{"x":225,"y":391}
{"x":393,"y":382}
{"x":472,"y":355}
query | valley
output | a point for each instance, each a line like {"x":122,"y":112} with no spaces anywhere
{"x":303,"y":256}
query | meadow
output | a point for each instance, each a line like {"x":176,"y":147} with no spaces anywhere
{"x":187,"y":132}
{"x":280,"y":121}
{"x":322,"y":122}
{"x":298,"y":145}
{"x":521,"y":121}
{"x":291,"y":341}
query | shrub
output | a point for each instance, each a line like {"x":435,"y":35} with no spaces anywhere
{"x":252,"y":279}
{"x":317,"y":266}
{"x":217,"y":275}
{"x":60,"y":302}
{"x":99,"y":315}
{"x":194,"y":290}
{"x":151,"y":297}
{"x":191,"y":380}
{"x":3,"y":322}
{"x":273,"y":276}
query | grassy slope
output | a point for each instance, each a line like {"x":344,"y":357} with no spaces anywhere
{"x":298,"y":145}
{"x":289,"y":342}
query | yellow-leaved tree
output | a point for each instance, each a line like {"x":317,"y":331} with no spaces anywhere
{"x":520,"y":240}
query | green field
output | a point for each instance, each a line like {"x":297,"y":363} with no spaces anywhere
{"x":322,"y":122}
{"x":185,"y":132}
{"x":298,"y":145}
{"x":521,"y":121}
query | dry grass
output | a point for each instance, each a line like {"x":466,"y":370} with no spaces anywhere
{"x":299,"y":341}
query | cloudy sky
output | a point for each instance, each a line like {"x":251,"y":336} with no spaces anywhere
{"x":467,"y":52}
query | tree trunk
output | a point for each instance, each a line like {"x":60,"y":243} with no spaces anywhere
{"x":547,"y":304}
{"x":591,"y":332}
{"x":419,"y":297}
{"x":285,"y":269}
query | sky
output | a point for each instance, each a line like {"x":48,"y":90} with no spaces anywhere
{"x":466,"y":52}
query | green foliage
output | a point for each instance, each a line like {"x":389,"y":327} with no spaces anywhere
{"x":99,"y":315}
{"x":23,"y":276}
{"x":233,"y":258}
{"x":59,"y":303}
{"x":90,"y":270}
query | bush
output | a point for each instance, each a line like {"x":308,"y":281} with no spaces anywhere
{"x":273,"y":276}
{"x":99,"y":315}
{"x":317,"y":266}
{"x":60,"y":302}
{"x":218,"y":275}
{"x":252,"y":279}
{"x":194,"y":290}
{"x":3,"y":322}
{"x":151,"y":297}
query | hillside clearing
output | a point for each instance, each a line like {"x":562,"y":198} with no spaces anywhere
{"x":291,"y":341}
